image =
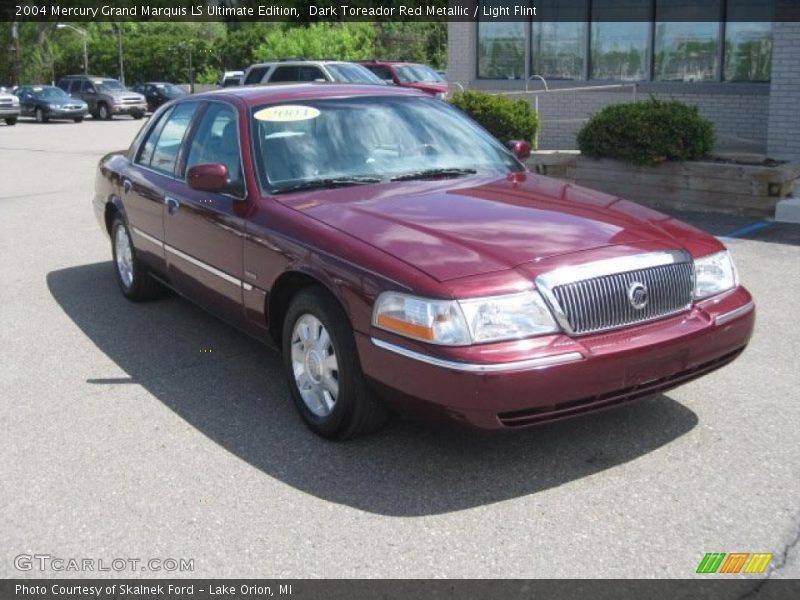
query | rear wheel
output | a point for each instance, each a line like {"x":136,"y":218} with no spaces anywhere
{"x":132,"y":276}
{"x":323,"y":369}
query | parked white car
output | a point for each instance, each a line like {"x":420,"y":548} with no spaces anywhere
{"x":291,"y":71}
{"x":9,"y":107}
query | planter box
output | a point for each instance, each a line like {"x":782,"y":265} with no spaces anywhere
{"x":751,"y":190}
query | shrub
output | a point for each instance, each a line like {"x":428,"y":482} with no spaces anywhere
{"x":647,"y":133}
{"x":504,"y":118}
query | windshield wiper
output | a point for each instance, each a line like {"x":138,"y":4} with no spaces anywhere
{"x":328,"y":182}
{"x":428,"y":173}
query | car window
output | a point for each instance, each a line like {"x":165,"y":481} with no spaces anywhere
{"x":87,"y":86}
{"x":217,"y":141}
{"x":284,"y":73}
{"x":350,"y":73}
{"x":368,"y":136}
{"x":75,"y":88}
{"x":64,"y":85}
{"x":256,"y":74}
{"x":381,"y":71}
{"x":162,"y":154}
{"x":146,"y":149}
{"x":310,"y":74}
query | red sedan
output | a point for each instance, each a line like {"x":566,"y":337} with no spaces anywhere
{"x":402,"y":259}
{"x":410,"y":75}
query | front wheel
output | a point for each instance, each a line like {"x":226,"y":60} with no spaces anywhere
{"x":132,"y":276}
{"x":323,"y":369}
{"x":40,"y":117}
{"x":78,"y":119}
{"x":103,"y":113}
{"x":137,"y":114}
{"x":11,"y":121}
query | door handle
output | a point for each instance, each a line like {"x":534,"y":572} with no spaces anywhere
{"x":126,"y":185}
{"x":172,"y":204}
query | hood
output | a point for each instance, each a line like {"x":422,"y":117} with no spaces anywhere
{"x":429,"y":87}
{"x":125,"y":94}
{"x":452,"y":228}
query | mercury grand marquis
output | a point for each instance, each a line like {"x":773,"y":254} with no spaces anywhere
{"x":405,"y":261}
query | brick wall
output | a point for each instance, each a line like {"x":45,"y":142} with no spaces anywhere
{"x":784,"y":118}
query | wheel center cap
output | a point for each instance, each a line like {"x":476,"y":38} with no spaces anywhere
{"x":314,"y":365}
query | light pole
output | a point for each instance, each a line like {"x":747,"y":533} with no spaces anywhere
{"x":85,"y":35}
{"x":118,"y":27}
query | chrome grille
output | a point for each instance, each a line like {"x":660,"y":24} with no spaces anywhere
{"x":592,"y":304}
{"x":6,"y":102}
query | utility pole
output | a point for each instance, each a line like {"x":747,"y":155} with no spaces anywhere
{"x":119,"y":49}
{"x":15,"y":53}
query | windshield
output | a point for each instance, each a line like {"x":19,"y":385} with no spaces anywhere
{"x":110,"y":85}
{"x":170,"y":89}
{"x":47,"y":92}
{"x":352,"y":74}
{"x":369,"y":139}
{"x":417,"y":74}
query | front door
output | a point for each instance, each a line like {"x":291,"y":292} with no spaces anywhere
{"x":204,"y":234}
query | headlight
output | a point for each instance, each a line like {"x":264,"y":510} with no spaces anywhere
{"x":14,"y":101}
{"x":464,"y":322}
{"x":714,"y":274}
{"x":434,"y":321}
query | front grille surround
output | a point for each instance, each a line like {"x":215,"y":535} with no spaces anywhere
{"x":593,"y":297}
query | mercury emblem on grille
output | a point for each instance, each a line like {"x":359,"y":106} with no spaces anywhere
{"x":637,"y":295}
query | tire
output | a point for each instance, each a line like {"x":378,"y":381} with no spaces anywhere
{"x":103,"y":113}
{"x":137,"y":115}
{"x":336,"y":406}
{"x":40,"y":116}
{"x":78,"y":119}
{"x":11,"y":121}
{"x":132,"y":276}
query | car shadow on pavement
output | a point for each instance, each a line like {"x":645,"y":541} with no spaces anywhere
{"x":232,"y":389}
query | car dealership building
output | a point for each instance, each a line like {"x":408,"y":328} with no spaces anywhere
{"x":744,"y":75}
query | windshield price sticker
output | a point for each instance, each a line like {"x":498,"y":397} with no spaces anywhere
{"x":287,"y":113}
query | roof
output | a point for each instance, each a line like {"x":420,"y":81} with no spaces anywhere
{"x":254,"y":95}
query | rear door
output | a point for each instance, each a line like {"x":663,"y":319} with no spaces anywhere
{"x":204,"y":231}
{"x":146,"y":184}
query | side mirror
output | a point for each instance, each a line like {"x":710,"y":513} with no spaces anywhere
{"x":208,"y":178}
{"x":520,"y":148}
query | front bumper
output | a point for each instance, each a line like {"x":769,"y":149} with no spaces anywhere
{"x":513,"y":384}
{"x":9,"y":111}
{"x":127,"y":109}
{"x":61,"y":113}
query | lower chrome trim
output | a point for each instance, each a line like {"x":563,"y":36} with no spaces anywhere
{"x":732,"y":314}
{"x":202,"y":265}
{"x":148,"y":237}
{"x":531,"y":363}
{"x":191,"y":259}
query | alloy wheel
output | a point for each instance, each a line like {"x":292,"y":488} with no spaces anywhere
{"x":314,"y":365}
{"x":123,"y":253}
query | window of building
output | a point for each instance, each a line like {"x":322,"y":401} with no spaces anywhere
{"x":687,"y":50}
{"x":632,"y":40}
{"x":748,"y":41}
{"x":501,"y":46}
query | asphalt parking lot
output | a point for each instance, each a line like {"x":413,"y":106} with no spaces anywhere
{"x":154,"y":430}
